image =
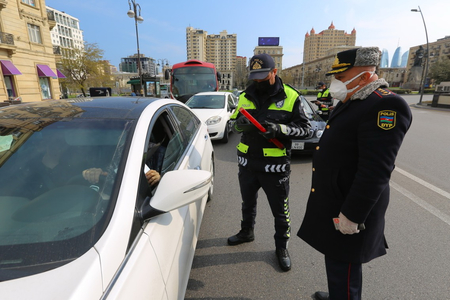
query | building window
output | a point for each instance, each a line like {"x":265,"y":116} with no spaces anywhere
{"x":29,"y":2}
{"x":34,"y":33}
{"x":45,"y":87}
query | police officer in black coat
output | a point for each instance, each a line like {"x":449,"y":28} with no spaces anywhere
{"x":352,"y":166}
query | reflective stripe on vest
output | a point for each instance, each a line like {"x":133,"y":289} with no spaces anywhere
{"x":242,"y":147}
{"x":274,"y":152}
{"x":268,"y":152}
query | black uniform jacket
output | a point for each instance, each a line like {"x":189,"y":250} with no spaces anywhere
{"x":296,"y":120}
{"x":351,"y":170}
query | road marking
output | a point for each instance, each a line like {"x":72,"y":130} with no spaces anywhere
{"x":422,"y":203}
{"x":424,"y":183}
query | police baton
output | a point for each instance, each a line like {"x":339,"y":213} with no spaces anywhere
{"x":260,"y":127}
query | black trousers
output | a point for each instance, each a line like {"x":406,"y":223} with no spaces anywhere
{"x":276,"y":187}
{"x":344,"y":279}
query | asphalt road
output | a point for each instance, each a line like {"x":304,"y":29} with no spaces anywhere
{"x":418,"y":229}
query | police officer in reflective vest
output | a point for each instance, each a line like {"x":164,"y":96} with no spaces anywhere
{"x":324,"y":100}
{"x":261,"y":163}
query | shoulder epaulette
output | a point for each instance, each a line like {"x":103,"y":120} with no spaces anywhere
{"x":381,"y":92}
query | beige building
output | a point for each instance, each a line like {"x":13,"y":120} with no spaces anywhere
{"x":27,"y":58}
{"x":308,"y":74}
{"x":275,"y":51}
{"x":417,"y":59}
{"x":317,"y":44}
{"x":219,"y":49}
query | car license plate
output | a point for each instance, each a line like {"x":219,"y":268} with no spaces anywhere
{"x":298,"y":145}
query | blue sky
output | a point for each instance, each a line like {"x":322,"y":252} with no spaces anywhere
{"x":383,"y":23}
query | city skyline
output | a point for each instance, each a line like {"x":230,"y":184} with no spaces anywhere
{"x":162,"y":34}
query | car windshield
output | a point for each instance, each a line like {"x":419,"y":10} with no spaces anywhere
{"x":51,"y":211}
{"x":193,"y":80}
{"x":206,"y":101}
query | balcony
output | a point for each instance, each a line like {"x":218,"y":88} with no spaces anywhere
{"x":7,"y":42}
{"x":51,"y":19}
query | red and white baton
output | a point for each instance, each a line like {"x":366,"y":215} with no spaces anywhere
{"x":260,"y":127}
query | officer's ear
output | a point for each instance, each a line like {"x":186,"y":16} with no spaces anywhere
{"x":274,"y":71}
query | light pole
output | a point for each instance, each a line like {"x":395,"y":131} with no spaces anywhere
{"x":133,"y":13}
{"x":424,"y":77}
{"x":161,"y":63}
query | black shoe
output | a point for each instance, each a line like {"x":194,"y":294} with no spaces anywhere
{"x":244,"y":236}
{"x":283,"y":259}
{"x":321,"y":296}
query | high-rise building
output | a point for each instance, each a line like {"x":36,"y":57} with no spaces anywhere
{"x":196,"y":44}
{"x":404,"y":61}
{"x":129,"y":64}
{"x":219,"y":49}
{"x":396,"y":59}
{"x":67,"y":33}
{"x":317,"y":44}
{"x":384,"y":59}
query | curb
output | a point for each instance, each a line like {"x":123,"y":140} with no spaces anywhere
{"x":421,"y":106}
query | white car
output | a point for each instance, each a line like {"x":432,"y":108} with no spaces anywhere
{"x":215,"y":110}
{"x":66,"y":233}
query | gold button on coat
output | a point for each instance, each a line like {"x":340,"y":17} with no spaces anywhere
{"x":328,"y":126}
{"x":317,"y":148}
{"x":313,"y":190}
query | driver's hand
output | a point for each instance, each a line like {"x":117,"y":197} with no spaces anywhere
{"x":93,"y":175}
{"x":153,"y":177}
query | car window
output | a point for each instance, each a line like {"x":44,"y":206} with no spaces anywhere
{"x":206,"y":101}
{"x":186,"y":127}
{"x":231,"y":103}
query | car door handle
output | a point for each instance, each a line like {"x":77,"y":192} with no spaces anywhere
{"x":206,"y":137}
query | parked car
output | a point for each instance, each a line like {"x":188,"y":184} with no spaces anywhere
{"x":63,"y":237}
{"x":214,"y":109}
{"x":317,"y":123}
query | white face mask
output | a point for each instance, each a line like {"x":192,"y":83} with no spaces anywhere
{"x":338,"y":89}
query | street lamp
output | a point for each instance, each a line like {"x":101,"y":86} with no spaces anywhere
{"x":424,"y":77}
{"x":133,"y":13}
{"x":161,"y":63}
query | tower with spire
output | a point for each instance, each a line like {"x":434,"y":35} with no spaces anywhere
{"x":316,"y":45}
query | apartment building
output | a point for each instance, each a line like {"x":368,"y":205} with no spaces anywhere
{"x":317,"y":44}
{"x":67,"y":33}
{"x":219,"y":49}
{"x":129,"y":64}
{"x":27,"y":57}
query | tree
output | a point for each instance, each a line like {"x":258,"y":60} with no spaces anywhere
{"x":85,"y":67}
{"x":440,"y":70}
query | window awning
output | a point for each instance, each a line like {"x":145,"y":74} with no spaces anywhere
{"x":60,"y":75}
{"x":45,"y":71}
{"x":8,"y":68}
{"x":134,"y":81}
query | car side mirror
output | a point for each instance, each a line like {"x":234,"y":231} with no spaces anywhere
{"x":176,"y":189}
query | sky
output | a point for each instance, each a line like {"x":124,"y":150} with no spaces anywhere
{"x":387,"y":24}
